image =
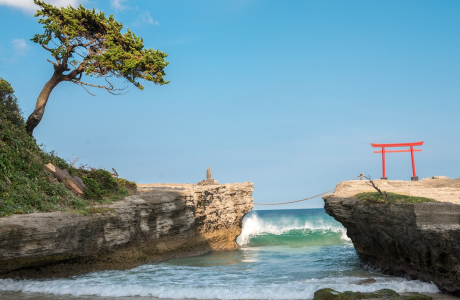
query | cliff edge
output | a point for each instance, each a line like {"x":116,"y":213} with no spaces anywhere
{"x":416,"y":240}
{"x":164,"y":221}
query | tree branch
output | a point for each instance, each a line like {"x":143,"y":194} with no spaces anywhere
{"x":54,"y":64}
{"x":87,"y":90}
{"x":84,"y":45}
{"x":109,"y":89}
{"x":384,"y":193}
{"x":46,"y":48}
{"x":73,"y":74}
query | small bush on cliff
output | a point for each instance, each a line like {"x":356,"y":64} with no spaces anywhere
{"x":102,"y":186}
{"x":25,"y":186}
{"x":387,"y":197}
{"x":376,"y":197}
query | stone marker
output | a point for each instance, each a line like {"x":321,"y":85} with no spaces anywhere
{"x":209,"y":180}
{"x":208,"y":174}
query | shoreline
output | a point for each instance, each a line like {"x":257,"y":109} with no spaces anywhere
{"x":161,"y":223}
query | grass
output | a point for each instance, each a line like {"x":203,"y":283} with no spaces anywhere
{"x":25,"y":185}
{"x":93,"y":210}
{"x":376,"y":197}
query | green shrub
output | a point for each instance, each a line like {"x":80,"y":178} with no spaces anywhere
{"x":93,"y":191}
{"x":26,"y":187}
{"x":130,"y":185}
{"x":9,"y":104}
{"x":376,"y":197}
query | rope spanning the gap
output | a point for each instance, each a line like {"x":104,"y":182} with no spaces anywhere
{"x":305,"y":199}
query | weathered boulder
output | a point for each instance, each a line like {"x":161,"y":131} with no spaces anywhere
{"x":419,"y":241}
{"x":162,"y":222}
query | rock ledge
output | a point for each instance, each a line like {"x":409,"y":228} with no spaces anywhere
{"x":162,"y":222}
{"x":418,"y":241}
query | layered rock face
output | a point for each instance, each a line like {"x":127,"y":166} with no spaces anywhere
{"x":162,"y":222}
{"x":419,"y":241}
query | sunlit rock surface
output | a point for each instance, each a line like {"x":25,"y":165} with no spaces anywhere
{"x":419,"y":241}
{"x":164,"y":221}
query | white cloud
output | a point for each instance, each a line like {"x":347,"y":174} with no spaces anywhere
{"x":146,"y":18}
{"x":118,"y":5}
{"x":28,"y":6}
{"x":20,"y":46}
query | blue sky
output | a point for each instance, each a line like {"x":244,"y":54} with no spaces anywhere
{"x":286,"y":94}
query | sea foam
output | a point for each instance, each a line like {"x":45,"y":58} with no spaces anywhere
{"x":253,"y":226}
{"x":289,"y":290}
{"x":256,"y":271}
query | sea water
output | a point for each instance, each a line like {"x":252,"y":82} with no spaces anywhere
{"x":283,"y":254}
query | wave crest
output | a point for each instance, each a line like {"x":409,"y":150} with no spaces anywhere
{"x":290,"y":231}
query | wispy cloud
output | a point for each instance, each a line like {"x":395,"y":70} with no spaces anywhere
{"x":145,"y":18}
{"x":20,"y":46}
{"x":28,"y":6}
{"x":118,"y":5}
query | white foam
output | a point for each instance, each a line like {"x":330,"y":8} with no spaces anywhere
{"x":208,"y":288}
{"x":253,"y":277}
{"x":254,"y":226}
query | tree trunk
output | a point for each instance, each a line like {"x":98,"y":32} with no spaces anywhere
{"x":63,"y":176}
{"x":42,"y":99}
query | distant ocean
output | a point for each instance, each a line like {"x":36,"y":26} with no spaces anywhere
{"x":284,"y":254}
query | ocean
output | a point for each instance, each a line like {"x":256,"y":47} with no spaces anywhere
{"x":283,"y":254}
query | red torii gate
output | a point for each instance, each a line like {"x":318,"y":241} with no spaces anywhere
{"x":411,"y":150}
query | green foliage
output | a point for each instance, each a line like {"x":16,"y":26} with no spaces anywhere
{"x":94,"y":210}
{"x":9,"y":104}
{"x":330,"y":294}
{"x":25,"y":186}
{"x":130,"y":185}
{"x":101,"y":185}
{"x":376,"y":197}
{"x":86,"y":42}
{"x":93,"y":191}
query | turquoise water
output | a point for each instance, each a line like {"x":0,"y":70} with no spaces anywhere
{"x":284,"y":254}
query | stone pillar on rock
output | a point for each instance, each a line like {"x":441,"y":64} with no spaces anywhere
{"x":209,"y":180}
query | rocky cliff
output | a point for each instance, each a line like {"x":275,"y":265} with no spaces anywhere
{"x":419,"y":241}
{"x":162,"y":222}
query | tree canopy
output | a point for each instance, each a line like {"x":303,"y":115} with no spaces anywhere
{"x":85,"y":42}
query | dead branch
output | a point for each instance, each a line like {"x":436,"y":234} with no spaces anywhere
{"x":83,"y":167}
{"x":74,"y":161}
{"x":372,"y":183}
{"x":64,"y":177}
{"x":115,"y":173}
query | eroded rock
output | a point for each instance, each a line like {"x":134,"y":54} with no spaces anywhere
{"x":419,"y":241}
{"x":162,"y":222}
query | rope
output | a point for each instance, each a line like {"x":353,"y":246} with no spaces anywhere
{"x":305,"y":199}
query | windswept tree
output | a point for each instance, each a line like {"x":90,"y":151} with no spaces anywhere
{"x":84,"y":42}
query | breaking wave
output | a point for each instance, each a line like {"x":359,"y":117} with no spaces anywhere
{"x":295,"y":232}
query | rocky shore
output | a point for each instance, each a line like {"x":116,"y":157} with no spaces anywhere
{"x":164,"y":221}
{"x":416,"y":240}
